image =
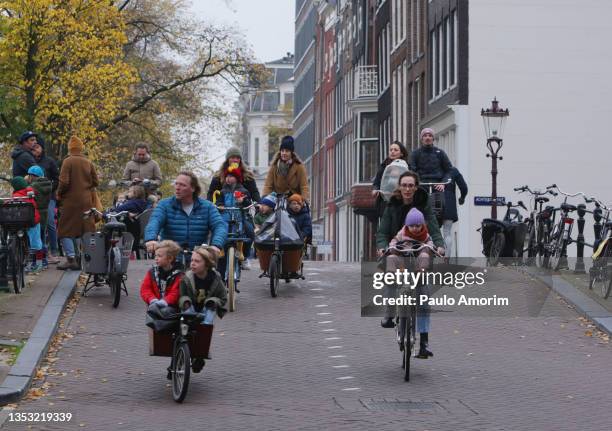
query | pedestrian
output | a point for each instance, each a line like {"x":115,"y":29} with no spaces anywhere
{"x":300,"y":214}
{"x":430,"y":162}
{"x":397,"y":151}
{"x":142,"y":167}
{"x":287,"y":173}
{"x":21,"y":189}
{"x":22,"y":154}
{"x":51,"y":170}
{"x":407,"y":196}
{"x":186,"y":218}
{"x":42,"y":187}
{"x":76,"y":193}
{"x":450,"y":207}
{"x":233,"y":156}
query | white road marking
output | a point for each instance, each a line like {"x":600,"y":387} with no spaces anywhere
{"x":316,"y":289}
{"x":321,"y":305}
{"x":323,"y":314}
{"x":340,"y":366}
{"x":337,"y":356}
{"x":351,"y":389}
{"x":333,"y":338}
{"x":345,"y":378}
{"x":328,"y":330}
{"x":334,"y":347}
{"x":325,"y":322}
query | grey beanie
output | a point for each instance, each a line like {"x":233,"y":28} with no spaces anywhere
{"x":233,"y":152}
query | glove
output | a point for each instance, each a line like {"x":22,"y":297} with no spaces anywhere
{"x":162,"y":302}
{"x":153,"y":301}
{"x":461,"y":200}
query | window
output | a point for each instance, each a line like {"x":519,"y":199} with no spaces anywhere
{"x":257,"y":152}
{"x":443,"y":57}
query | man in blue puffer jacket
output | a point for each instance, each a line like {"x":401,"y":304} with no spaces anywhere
{"x":186,"y":217}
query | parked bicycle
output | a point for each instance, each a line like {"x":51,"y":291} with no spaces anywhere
{"x":406,"y":315}
{"x":16,"y":216}
{"x":504,"y":238}
{"x":538,"y":223}
{"x":600,"y":274}
{"x":561,"y":234}
{"x":106,"y":254}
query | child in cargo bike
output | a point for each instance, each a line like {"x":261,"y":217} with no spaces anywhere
{"x":161,"y":283}
{"x":234,"y":194}
{"x":299,"y":213}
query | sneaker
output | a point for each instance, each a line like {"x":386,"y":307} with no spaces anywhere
{"x":387,"y":322}
{"x":33,"y":268}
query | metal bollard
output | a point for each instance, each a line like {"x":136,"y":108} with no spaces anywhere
{"x":579,"y":268}
{"x":597,"y":216}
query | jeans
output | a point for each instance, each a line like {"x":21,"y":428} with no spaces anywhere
{"x":51,"y":227}
{"x":34,"y":237}
{"x":209,"y":315}
{"x":447,"y":233}
{"x":423,"y":317}
{"x":68,"y":246}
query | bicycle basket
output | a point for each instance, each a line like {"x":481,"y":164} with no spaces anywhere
{"x":16,"y":215}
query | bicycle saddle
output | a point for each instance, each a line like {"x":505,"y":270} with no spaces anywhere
{"x":568,"y":207}
{"x":541,"y":199}
{"x":114,"y":225}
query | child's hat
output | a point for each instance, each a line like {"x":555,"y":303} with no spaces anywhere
{"x":19,"y":183}
{"x":36,"y":170}
{"x":234,"y":169}
{"x":414,"y":217}
{"x":297,"y":198}
{"x":268,"y":201}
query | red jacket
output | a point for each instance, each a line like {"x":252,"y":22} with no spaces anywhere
{"x":149,"y":289}
{"x":23,"y":193}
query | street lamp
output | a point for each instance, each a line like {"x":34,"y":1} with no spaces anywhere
{"x":494,"y":119}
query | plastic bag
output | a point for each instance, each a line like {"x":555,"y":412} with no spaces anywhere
{"x":390,"y":177}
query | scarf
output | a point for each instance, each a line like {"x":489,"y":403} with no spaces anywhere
{"x":421,"y":236}
{"x":283,"y":167}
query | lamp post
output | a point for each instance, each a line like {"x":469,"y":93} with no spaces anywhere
{"x":494,"y":119}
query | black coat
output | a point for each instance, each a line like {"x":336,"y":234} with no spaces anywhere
{"x":248,"y":184}
{"x":49,"y":165}
{"x":22,"y":160}
{"x":431,"y":163}
{"x":450,"y":197}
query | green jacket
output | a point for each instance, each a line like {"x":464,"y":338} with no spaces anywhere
{"x":42,"y":186}
{"x":216,"y":292}
{"x":260,"y":218}
{"x":395,"y":212}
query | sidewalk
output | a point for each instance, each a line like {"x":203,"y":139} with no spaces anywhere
{"x":27,"y":323}
{"x":574,"y":288}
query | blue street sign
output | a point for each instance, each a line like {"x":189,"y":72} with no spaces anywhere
{"x":488,"y":201}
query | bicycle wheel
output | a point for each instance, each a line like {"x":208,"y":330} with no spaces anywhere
{"x":17,"y":263}
{"x":230,"y":259}
{"x":498,"y":242}
{"x":181,"y":371}
{"x":558,"y":252}
{"x":407,"y":350}
{"x":274,"y":271}
{"x":606,"y":293}
{"x":530,"y":241}
{"x":114,"y":280}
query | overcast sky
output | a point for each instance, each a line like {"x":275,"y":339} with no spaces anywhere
{"x":269,"y":25}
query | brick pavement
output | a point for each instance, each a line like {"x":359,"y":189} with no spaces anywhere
{"x":286,"y":363}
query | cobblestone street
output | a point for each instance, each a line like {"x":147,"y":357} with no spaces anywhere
{"x":306,"y":360}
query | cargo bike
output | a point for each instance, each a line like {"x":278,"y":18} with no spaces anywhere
{"x":280,"y":248}
{"x":187,"y":341}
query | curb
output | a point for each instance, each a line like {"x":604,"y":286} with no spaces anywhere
{"x":19,"y":379}
{"x":601,"y":317}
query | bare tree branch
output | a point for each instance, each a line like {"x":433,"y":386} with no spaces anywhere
{"x":124,"y":5}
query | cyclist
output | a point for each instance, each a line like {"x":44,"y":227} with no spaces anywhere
{"x":234,"y":156}
{"x":406,"y":197}
{"x":397,"y":151}
{"x":450,"y":207}
{"x":186,"y":217}
{"x":142,"y":167}
{"x":430,"y":162}
{"x":287,"y":172}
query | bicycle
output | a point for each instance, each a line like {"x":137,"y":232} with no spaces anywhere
{"x":538,"y":223}
{"x":106,"y":254}
{"x":560,"y":237}
{"x":436,"y":199}
{"x":405,"y":316}
{"x":16,"y":216}
{"x":229,"y":263}
{"x":503,"y":238}
{"x":600,"y":274}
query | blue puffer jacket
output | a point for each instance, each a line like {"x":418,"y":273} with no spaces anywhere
{"x":171,"y":222}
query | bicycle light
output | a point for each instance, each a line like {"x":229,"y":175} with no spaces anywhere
{"x":568,"y":220}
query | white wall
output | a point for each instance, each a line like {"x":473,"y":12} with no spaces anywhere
{"x":549,"y":62}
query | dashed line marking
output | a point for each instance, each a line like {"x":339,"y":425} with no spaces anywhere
{"x":333,"y":338}
{"x":321,"y":305}
{"x":328,"y":330}
{"x":337,"y":356}
{"x":313,"y":281}
{"x":351,"y":389}
{"x":325,"y":322}
{"x":334,"y":347}
{"x":340,"y":366}
{"x":345,"y":378}
{"x":323,"y":314}
{"x":316,"y":289}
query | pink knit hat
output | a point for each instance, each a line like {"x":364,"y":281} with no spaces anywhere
{"x":427,"y":130}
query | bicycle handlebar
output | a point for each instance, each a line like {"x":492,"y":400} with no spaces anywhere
{"x":436,"y":184}
{"x":94,"y":211}
{"x":412,"y":250}
{"x":236,"y":208}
